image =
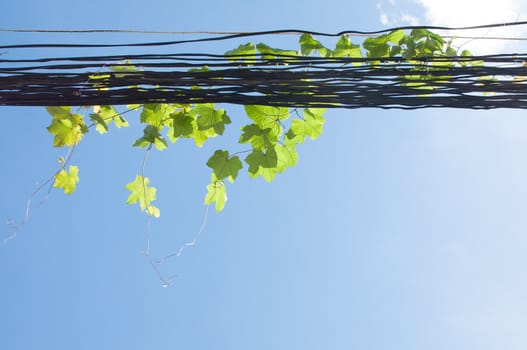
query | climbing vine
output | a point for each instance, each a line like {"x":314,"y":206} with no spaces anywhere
{"x":272,"y":133}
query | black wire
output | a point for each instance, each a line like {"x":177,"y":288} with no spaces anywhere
{"x":261,"y":33}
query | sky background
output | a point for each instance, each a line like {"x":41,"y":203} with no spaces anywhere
{"x":396,"y":230}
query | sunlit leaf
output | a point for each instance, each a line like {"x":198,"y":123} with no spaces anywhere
{"x":224,"y":166}
{"x":208,"y":117}
{"x":181,"y":125}
{"x":104,"y":115}
{"x":287,"y":156}
{"x":144,"y":194}
{"x":68,"y":128}
{"x":259,"y":138}
{"x":216,"y":193}
{"x":244,"y":52}
{"x":345,"y":48}
{"x":268,"y":117}
{"x":395,"y":36}
{"x":151,"y":135}
{"x":308,"y":44}
{"x":156,"y":114}
{"x":67,"y":180}
{"x":263,"y":164}
{"x":100,"y":124}
{"x":270,"y":53}
{"x":310,"y":126}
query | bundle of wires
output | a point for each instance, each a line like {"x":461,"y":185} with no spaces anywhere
{"x":474,"y":82}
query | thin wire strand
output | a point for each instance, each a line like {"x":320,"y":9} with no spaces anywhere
{"x":130,"y":31}
{"x":258,"y":33}
{"x":279,"y":31}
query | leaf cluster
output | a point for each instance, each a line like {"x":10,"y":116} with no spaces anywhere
{"x":272,"y":133}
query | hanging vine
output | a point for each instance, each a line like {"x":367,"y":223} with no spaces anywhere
{"x":294,"y":86}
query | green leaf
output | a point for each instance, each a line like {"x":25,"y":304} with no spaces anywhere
{"x":450,"y":52}
{"x":68,"y":128}
{"x":104,"y":115}
{"x":420,"y":33}
{"x":270,"y":53}
{"x":345,"y":48}
{"x":395,"y":50}
{"x":268,"y":117}
{"x":310,"y":126}
{"x":109,"y":114}
{"x":59,"y":111}
{"x":120,"y":121}
{"x":256,"y":136}
{"x":181,"y":125}
{"x":410,"y":48}
{"x":216,"y":193}
{"x":423,"y":42}
{"x":100,"y":123}
{"x":151,"y":135}
{"x":223,"y":166}
{"x":67,"y":180}
{"x":156,"y":114}
{"x":244,"y":52}
{"x":208,"y":117}
{"x":377,"y":47}
{"x":263,"y":164}
{"x":200,"y":136}
{"x":396,"y":36}
{"x":287,"y":156}
{"x":144,"y":194}
{"x":308,"y":44}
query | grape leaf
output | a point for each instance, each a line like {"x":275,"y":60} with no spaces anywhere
{"x":216,"y":193}
{"x":208,"y":117}
{"x":181,"y":125}
{"x":100,"y":124}
{"x":144,"y":194}
{"x":256,"y":136}
{"x":263,"y":164}
{"x":151,"y":135}
{"x":244,"y":52}
{"x":67,"y":180}
{"x":120,"y":122}
{"x":377,"y":47}
{"x":308,"y":44}
{"x":345,"y":48}
{"x":156,"y":114}
{"x":270,"y":53}
{"x":310,"y":126}
{"x":396,"y":36}
{"x":68,"y":128}
{"x":268,"y":117}
{"x":223,"y":166}
{"x":104,"y":115}
{"x":200,"y":136}
{"x":287,"y":156}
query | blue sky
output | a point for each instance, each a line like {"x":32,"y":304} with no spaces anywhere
{"x":396,"y":230}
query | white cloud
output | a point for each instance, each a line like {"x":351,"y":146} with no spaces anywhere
{"x":383,"y":16}
{"x":411,"y":20}
{"x":470,"y":12}
{"x":389,"y":18}
{"x":461,"y":13}
{"x":384,"y":19}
